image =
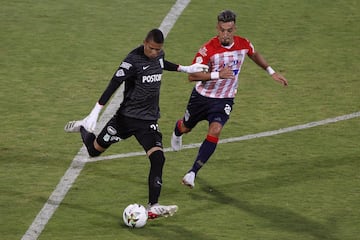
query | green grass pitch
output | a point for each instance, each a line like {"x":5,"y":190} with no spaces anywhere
{"x":56,"y":58}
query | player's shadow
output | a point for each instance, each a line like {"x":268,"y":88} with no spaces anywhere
{"x":161,"y":229}
{"x":278,"y":217}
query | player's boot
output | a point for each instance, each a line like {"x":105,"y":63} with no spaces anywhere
{"x":156,"y":210}
{"x":73,"y":126}
{"x":189,"y":179}
{"x":176,"y":142}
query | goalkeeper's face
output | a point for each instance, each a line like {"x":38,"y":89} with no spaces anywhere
{"x":152,"y":49}
{"x":226,"y":32}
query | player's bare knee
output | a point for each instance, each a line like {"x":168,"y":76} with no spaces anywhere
{"x":215,"y":129}
{"x":93,"y":151}
{"x":98,"y":147}
{"x":185,"y":130}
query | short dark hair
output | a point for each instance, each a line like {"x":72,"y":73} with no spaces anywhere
{"x":227,"y":16}
{"x":155,"y":35}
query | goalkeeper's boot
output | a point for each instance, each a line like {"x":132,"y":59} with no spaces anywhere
{"x":176,"y":142}
{"x":189,"y":179}
{"x":73,"y":126}
{"x":156,"y":210}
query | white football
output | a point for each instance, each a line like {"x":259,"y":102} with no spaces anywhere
{"x":135,"y":215}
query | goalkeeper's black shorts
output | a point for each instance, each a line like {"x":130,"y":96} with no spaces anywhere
{"x":120,"y":127}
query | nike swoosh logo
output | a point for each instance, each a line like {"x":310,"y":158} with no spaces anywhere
{"x":146,"y":67}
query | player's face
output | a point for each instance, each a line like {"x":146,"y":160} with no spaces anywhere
{"x":152,"y":49}
{"x":226,"y":31}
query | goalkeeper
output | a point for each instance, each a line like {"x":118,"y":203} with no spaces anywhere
{"x":138,"y":114}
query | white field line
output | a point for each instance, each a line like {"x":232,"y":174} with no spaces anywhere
{"x":242,"y":138}
{"x":81,"y":158}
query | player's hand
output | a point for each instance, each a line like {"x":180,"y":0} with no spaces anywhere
{"x":89,"y":123}
{"x":198,"y":67}
{"x":194,"y":68}
{"x":226,"y":73}
{"x":280,"y":78}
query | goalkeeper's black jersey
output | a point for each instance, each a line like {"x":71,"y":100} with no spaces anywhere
{"x":142,"y":78}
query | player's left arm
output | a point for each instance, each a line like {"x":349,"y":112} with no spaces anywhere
{"x":261,"y":62}
{"x":196,"y":67}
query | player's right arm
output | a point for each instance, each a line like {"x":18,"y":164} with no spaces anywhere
{"x":124,"y":71}
{"x":203,"y":57}
{"x":225,"y":73}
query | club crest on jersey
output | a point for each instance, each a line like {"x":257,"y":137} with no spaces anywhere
{"x":120,"y":73}
{"x":199,"y":60}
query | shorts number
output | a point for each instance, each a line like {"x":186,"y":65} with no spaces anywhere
{"x":155,"y":127}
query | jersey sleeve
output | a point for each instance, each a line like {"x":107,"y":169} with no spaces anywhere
{"x":169,"y":66}
{"x":125,"y":71}
{"x":251,"y":49}
{"x":202,"y":56}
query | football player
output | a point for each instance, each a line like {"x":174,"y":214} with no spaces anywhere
{"x":138,"y":114}
{"x":214,"y":92}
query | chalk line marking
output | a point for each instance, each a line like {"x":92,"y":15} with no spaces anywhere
{"x":81,"y":158}
{"x":242,"y":138}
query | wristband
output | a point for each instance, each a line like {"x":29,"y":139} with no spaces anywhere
{"x":214,"y":75}
{"x":270,"y":71}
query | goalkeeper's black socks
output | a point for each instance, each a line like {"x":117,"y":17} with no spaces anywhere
{"x":157,"y":161}
{"x":88,"y":139}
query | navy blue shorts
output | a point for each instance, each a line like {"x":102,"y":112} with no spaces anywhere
{"x":120,"y":127}
{"x":201,"y":108}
